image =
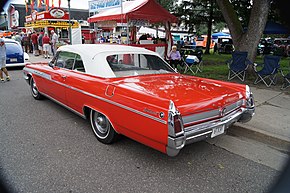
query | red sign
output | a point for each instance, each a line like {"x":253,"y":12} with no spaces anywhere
{"x":53,"y":13}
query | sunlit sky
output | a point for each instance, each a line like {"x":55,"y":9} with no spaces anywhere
{"x":79,"y":4}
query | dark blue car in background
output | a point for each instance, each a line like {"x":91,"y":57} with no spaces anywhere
{"x":15,"y":56}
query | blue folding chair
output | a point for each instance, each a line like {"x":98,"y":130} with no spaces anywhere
{"x":269,"y":70}
{"x":286,"y":78}
{"x":238,"y":65}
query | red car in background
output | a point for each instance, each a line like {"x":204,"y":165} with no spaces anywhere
{"x":282,"y":46}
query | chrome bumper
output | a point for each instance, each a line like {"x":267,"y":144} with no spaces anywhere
{"x":25,"y":76}
{"x":204,"y":130}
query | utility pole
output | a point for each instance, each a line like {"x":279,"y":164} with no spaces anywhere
{"x":69,"y":30}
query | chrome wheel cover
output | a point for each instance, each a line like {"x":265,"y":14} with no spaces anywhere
{"x":34,"y":89}
{"x":100,"y":125}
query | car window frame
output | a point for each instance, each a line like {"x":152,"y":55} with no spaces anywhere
{"x":57,"y":57}
{"x":74,"y":65}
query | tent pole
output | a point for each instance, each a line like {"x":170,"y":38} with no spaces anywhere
{"x":128,"y":41}
{"x":121,"y":16}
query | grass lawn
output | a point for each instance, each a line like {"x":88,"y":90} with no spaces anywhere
{"x":214,"y":67}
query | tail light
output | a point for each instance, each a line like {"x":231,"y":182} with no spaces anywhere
{"x":249,"y":98}
{"x":175,"y":123}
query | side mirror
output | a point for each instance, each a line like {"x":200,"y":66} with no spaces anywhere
{"x":51,"y":64}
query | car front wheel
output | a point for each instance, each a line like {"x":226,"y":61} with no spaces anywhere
{"x":102,"y":128}
{"x":34,"y":91}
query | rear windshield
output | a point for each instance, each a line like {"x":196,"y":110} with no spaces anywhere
{"x":200,"y":39}
{"x":229,"y":41}
{"x":12,"y":47}
{"x":137,"y":64}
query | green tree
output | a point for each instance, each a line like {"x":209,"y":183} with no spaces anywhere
{"x":257,"y":12}
{"x":167,"y":4}
{"x":199,"y":15}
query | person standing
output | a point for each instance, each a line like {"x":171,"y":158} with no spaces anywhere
{"x":12,"y":36}
{"x":54,"y":40}
{"x":25,"y":43}
{"x":18,"y":37}
{"x":39,"y":41}
{"x":46,"y":45}
{"x":30,"y":42}
{"x":34,"y":43}
{"x":3,"y":61}
{"x":194,"y":43}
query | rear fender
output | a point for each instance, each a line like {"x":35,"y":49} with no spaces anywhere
{"x":87,"y":109}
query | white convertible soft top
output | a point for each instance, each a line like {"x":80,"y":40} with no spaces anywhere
{"x":94,"y":56}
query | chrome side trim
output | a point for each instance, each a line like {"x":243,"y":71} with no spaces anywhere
{"x":65,"y":106}
{"x":211,"y":114}
{"x":36,"y":72}
{"x":48,"y":77}
{"x":122,"y":106}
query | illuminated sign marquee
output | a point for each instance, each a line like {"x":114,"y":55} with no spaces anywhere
{"x":45,"y":23}
{"x":96,"y":5}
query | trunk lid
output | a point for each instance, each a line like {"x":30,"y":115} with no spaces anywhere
{"x":190,"y":94}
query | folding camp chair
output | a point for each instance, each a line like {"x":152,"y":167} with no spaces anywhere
{"x":269,"y":71}
{"x":192,"y":59}
{"x":238,"y":65}
{"x":286,"y":77}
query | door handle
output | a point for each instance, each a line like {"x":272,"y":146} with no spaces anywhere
{"x":63,"y":76}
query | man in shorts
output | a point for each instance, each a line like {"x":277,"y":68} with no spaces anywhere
{"x":3,"y":61}
{"x":46,"y":45}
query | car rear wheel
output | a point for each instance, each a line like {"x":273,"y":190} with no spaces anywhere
{"x":102,"y":128}
{"x":34,"y":91}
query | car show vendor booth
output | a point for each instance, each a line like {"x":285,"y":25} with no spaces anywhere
{"x":136,"y":14}
{"x":55,"y":19}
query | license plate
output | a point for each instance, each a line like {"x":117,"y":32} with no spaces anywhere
{"x":13,"y":59}
{"x":217,"y":131}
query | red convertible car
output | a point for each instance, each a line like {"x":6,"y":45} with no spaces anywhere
{"x":134,"y":92}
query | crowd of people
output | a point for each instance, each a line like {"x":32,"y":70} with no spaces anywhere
{"x":38,"y":43}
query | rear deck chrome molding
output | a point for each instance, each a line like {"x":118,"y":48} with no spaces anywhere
{"x":213,"y":114}
{"x":48,"y":77}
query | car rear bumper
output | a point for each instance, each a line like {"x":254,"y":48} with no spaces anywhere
{"x":205,"y":130}
{"x":15,"y":64}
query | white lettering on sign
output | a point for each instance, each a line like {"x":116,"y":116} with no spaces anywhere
{"x":40,"y":16}
{"x":96,"y":5}
{"x":28,"y":19}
